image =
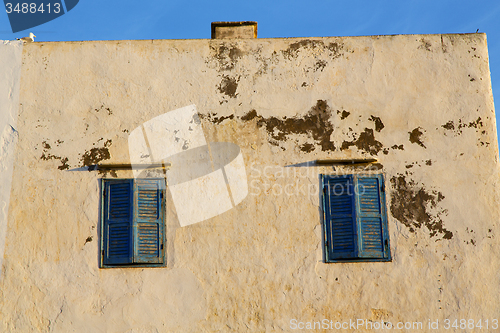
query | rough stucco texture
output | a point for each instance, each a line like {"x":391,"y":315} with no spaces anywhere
{"x":10,"y":74}
{"x":422,"y":105}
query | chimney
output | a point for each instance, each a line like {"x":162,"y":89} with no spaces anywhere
{"x":232,"y":30}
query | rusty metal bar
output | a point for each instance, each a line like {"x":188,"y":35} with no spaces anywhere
{"x":127,"y":166}
{"x":345,"y":161}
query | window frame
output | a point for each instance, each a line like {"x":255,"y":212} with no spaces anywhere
{"x":360,"y":221}
{"x":133,"y":221}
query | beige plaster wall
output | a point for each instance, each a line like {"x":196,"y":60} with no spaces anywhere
{"x":421,"y":104}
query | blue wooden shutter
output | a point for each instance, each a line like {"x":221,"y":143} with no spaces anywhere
{"x":371,"y":217}
{"x":340,"y":227}
{"x":117,"y":239}
{"x":148,"y":221}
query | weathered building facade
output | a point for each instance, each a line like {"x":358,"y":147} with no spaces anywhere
{"x":420,"y":105}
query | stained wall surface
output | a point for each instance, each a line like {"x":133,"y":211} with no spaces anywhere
{"x":420,"y":104}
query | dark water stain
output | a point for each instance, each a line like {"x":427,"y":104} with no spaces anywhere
{"x":400,"y":147}
{"x":415,"y":137}
{"x":410,"y":205}
{"x":366,"y":142}
{"x":379,"y":125}
{"x":228,"y":86}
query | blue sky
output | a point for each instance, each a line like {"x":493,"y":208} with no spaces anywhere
{"x":173,"y":19}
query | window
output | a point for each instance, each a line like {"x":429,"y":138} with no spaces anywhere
{"x":132,"y":222}
{"x":355,"y":218}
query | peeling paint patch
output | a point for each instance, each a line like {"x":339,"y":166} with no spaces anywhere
{"x":217,"y":120}
{"x":427,"y":162}
{"x":425,"y":45}
{"x":108,"y":110}
{"x":95,"y":155}
{"x":227,"y":55}
{"x":411,"y":204}
{"x":249,"y":115}
{"x":344,"y":114}
{"x":457,"y":128}
{"x":307,"y":147}
{"x":366,"y":141}
{"x":228,"y":86}
{"x":476,"y":124}
{"x":315,"y":124}
{"x":379,"y":125}
{"x":320,"y":65}
{"x":449,"y":125}
{"x":47,"y":156}
{"x":415,"y":137}
{"x":292,"y":52}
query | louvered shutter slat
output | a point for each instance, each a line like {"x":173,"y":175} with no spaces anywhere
{"x":148,"y":221}
{"x":117,"y":222}
{"x":339,"y":217}
{"x":370,"y":217}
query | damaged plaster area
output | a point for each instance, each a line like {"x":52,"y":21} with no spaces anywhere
{"x":315,"y":125}
{"x":97,"y":154}
{"x":416,"y":137}
{"x":458,"y":127}
{"x":316,"y":130}
{"x":416,"y":207}
{"x":10,"y":72}
{"x":365,"y":141}
{"x":46,"y":155}
{"x":229,"y":58}
{"x":89,"y":157}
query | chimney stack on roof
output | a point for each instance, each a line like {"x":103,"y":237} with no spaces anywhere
{"x":233,"y":30}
